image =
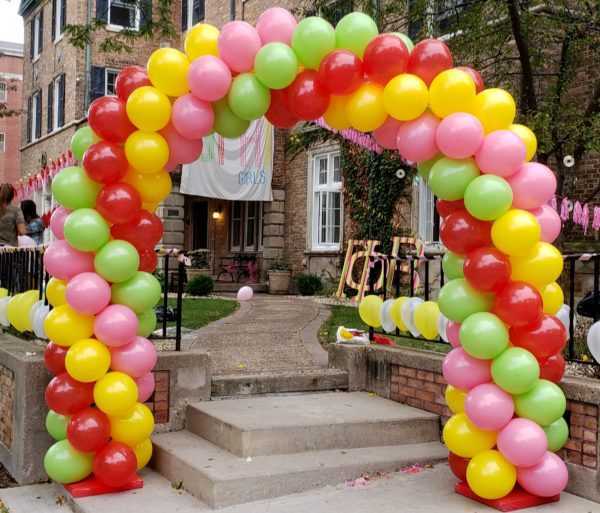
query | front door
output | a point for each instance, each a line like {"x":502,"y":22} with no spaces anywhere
{"x":200,"y":225}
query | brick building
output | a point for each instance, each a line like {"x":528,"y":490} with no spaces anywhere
{"x":11,"y":83}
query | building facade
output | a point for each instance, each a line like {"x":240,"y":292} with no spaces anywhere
{"x":11,"y":85}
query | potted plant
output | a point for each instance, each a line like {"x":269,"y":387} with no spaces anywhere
{"x":279,"y":276}
{"x":200,"y":265}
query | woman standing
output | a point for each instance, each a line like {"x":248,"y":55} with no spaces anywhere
{"x":35,"y":226}
{"x":12,"y":223}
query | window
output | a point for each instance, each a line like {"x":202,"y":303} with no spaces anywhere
{"x":192,"y":12}
{"x":110,"y":75}
{"x":59,"y":18}
{"x":327,"y":202}
{"x":336,"y":10}
{"x":246,"y":226}
{"x":36,"y":44}
{"x":2,"y":142}
{"x":56,"y":103}
{"x":3,"y":92}
{"x":34,"y":116}
{"x":428,"y":221}
{"x":124,"y":13}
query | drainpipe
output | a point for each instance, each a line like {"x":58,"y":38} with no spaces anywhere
{"x":231,"y":9}
{"x":88,"y":61}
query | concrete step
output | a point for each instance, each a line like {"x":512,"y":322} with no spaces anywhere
{"x":42,"y":498}
{"x":307,"y":380}
{"x":221,"y":479}
{"x":261,"y":426}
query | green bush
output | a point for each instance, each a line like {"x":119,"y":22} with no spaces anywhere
{"x":309,"y":284}
{"x":200,"y":286}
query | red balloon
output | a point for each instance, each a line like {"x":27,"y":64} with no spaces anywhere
{"x":462,"y":233}
{"x":445,"y":208}
{"x":143,"y":232}
{"x":89,"y":430}
{"x":279,"y":114}
{"x":479,"y":85}
{"x":115,"y":465}
{"x":487,"y":269}
{"x":119,"y":203}
{"x":105,"y":162}
{"x":428,"y":59}
{"x":553,"y":368}
{"x":518,"y":304}
{"x":67,"y":396}
{"x":107,"y":117}
{"x":307,"y":98}
{"x":385,"y":57}
{"x":129,"y":79}
{"x":148,"y":260}
{"x":458,"y":466}
{"x":341,"y":72}
{"x":54,"y":358}
{"x":543,"y":339}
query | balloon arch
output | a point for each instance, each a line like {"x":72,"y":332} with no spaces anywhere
{"x":507,"y":423}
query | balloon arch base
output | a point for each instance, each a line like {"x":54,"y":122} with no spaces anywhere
{"x":93,"y":486}
{"x":515,"y":500}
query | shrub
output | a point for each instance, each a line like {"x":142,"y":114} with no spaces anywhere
{"x":308,"y":284}
{"x":200,"y":286}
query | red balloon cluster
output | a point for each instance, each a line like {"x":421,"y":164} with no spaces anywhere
{"x":67,"y":396}
{"x":458,"y":466}
{"x":119,"y":203}
{"x":487,"y":269}
{"x":115,"y":464}
{"x":108,"y":119}
{"x":129,"y":79}
{"x":385,"y":57}
{"x":89,"y":430}
{"x":54,"y":358}
{"x":445,"y":208}
{"x":105,"y":162}
{"x":143,"y":231}
{"x":428,"y":59}
{"x":341,"y":72}
{"x":518,"y":304}
{"x":279,"y":114}
{"x":307,"y":97}
{"x":462,"y":233}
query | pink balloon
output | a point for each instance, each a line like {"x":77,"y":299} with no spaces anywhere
{"x":386,"y":135}
{"x":546,"y":479}
{"x":136,"y":359}
{"x":116,"y":325}
{"x":452,"y":333}
{"x":523,"y":442}
{"x":57,"y":222}
{"x":63,"y":262}
{"x":209,"y":78}
{"x":549,"y":221}
{"x":416,"y":138}
{"x":181,"y":150}
{"x":459,"y":135}
{"x":145,"y":386}
{"x":465,"y":372}
{"x":501,"y":153}
{"x":533,"y":185}
{"x":238,"y":44}
{"x":88,"y":293}
{"x":276,"y":24}
{"x":191,"y":117}
{"x":245,"y":293}
{"x":489,"y":407}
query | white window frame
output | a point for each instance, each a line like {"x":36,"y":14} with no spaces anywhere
{"x":243,"y":220}
{"x":425,"y":213}
{"x":117,"y":27}
{"x":106,"y":72}
{"x":58,"y":32}
{"x":240,"y":220}
{"x":2,"y":142}
{"x":328,"y":189}
{"x":36,"y":35}
{"x":247,"y":246}
{"x":3,"y":92}
{"x":35,"y":99}
{"x":55,"y":102}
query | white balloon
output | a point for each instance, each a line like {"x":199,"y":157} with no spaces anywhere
{"x":38,"y":320}
{"x":593,"y":340}
{"x":3,"y":304}
{"x":32,"y":310}
{"x":442,"y":327}
{"x":408,"y":310}
{"x":563,"y":315}
{"x":386,"y":321}
{"x":245,"y":293}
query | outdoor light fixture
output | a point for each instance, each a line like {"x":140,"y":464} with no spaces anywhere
{"x":217,"y":214}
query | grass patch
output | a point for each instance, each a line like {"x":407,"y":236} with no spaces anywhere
{"x":202,"y":311}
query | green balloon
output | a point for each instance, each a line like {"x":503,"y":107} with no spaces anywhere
{"x":483,"y":335}
{"x":117,"y":261}
{"x":488,"y":197}
{"x":515,"y":371}
{"x":147,"y":323}
{"x":312,"y":40}
{"x":457,"y":300}
{"x":66,"y":465}
{"x":140,"y":293}
{"x":545,"y":403}
{"x":452,"y":264}
{"x":354,"y":32}
{"x":423,"y":168}
{"x":86,"y":230}
{"x":557,"y":434}
{"x":82,"y":139}
{"x":227,"y":124}
{"x":73,"y":189}
{"x":56,"y":425}
{"x":406,"y":40}
{"x":276,"y":65}
{"x":448,"y":178}
{"x":248,"y":98}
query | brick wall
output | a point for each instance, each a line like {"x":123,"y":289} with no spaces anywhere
{"x":159,"y":402}
{"x":582,"y":447}
{"x":7,"y":397}
{"x":11,"y":73}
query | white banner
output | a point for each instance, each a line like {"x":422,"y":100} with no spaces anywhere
{"x":233,"y":169}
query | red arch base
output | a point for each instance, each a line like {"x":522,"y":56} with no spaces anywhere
{"x":92,"y":486}
{"x":515,"y":500}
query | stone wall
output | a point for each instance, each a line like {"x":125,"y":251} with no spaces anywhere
{"x":7,"y":397}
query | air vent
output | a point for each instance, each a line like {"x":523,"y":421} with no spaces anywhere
{"x":170,"y":212}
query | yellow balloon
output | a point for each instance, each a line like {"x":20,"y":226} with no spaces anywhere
{"x":490,"y":475}
{"x":143,"y":453}
{"x":147,"y":152}
{"x":455,"y":399}
{"x":12,"y":311}
{"x":541,"y":266}
{"x":464,"y":438}
{"x":167,"y":70}
{"x":426,"y":317}
{"x":56,"y":292}
{"x":134,"y":428}
{"x":396,"y":313}
{"x":451,"y":91}
{"x":150,"y":207}
{"x":116,"y":394}
{"x":528,"y":137}
{"x":516,"y":232}
{"x":405,"y":97}
{"x":3,"y":292}
{"x":365,"y":110}
{"x":87,"y":360}
{"x":495,"y":108}
{"x":148,"y":108}
{"x":369,"y":310}
{"x":553,"y":298}
{"x":335,"y":116}
{"x":28,"y":299}
{"x":153,"y":188}
{"x":201,"y":40}
{"x":64,"y":326}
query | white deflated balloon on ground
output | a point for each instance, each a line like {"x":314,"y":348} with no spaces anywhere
{"x":3,"y":305}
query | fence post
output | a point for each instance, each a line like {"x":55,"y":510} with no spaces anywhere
{"x":165,"y":296}
{"x":181,"y":276}
{"x":571,"y":308}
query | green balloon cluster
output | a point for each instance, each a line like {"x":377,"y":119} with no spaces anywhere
{"x":56,"y":425}
{"x":449,"y":179}
{"x":488,"y":197}
{"x":544,"y":403}
{"x":483,"y":335}
{"x":354,"y":32}
{"x":73,"y":189}
{"x":86,"y":230}
{"x":227,"y":124}
{"x":64,"y":464}
{"x":457,"y":300}
{"x":515,"y":371}
{"x":276,"y":65}
{"x":452,"y":264}
{"x":557,"y":434}
{"x":140,"y":293}
{"x":147,"y":323}
{"x":313,"y":39}
{"x":248,"y":98}
{"x":117,"y":261}
{"x":82,"y":139}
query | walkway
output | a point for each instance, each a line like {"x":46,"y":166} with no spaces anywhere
{"x":267,"y":333}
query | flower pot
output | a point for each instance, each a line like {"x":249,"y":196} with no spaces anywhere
{"x":279,"y":282}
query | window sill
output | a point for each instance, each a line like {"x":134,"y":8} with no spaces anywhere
{"x":59,"y":38}
{"x":323,"y":251}
{"x":36,"y":58}
{"x":119,"y":28}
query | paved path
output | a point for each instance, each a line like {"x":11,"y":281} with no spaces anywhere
{"x":267,"y":333}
